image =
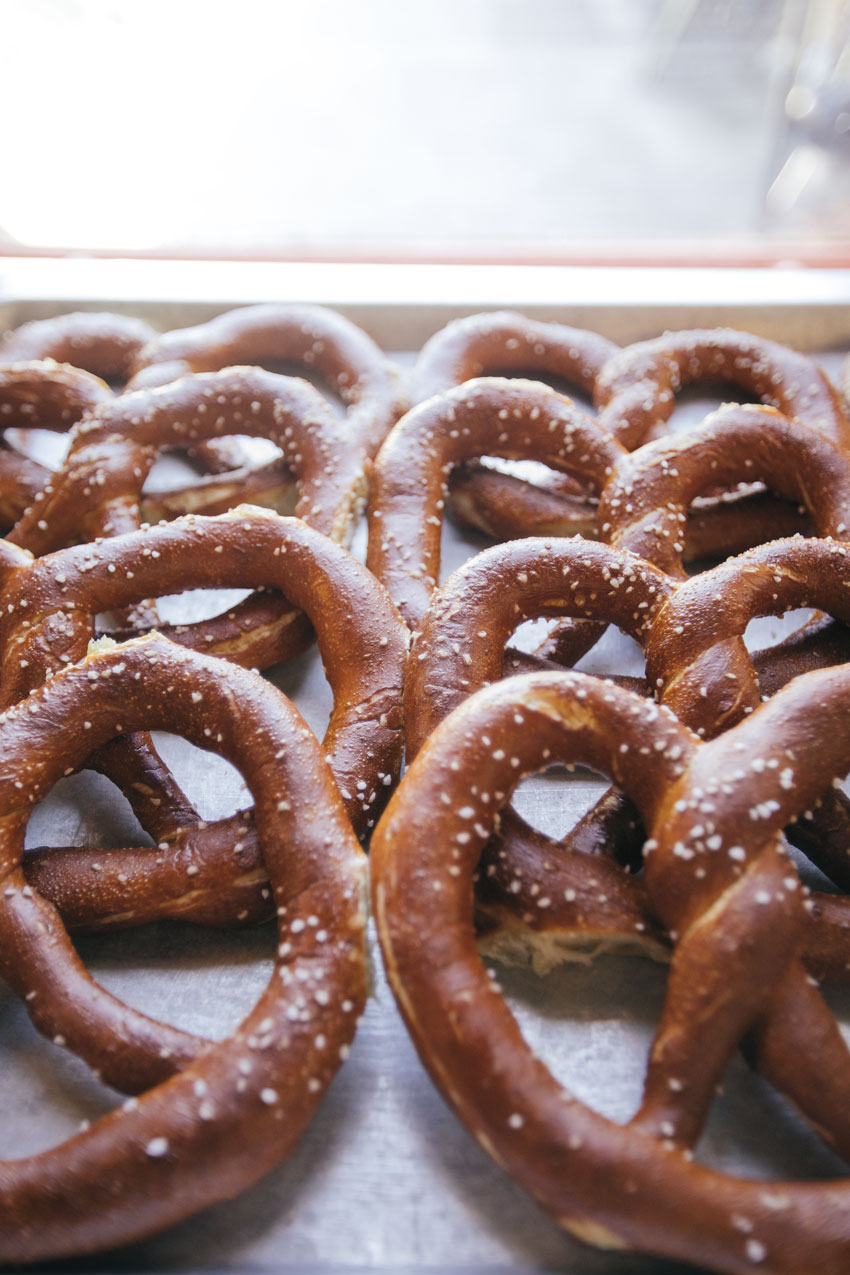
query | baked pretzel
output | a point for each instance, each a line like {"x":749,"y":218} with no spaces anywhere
{"x":104,"y":344}
{"x":493,"y":416}
{"x":644,"y":505}
{"x":635,"y":392}
{"x":48,"y":610}
{"x":223,"y":1113}
{"x":494,"y":344}
{"x":37,"y":395}
{"x":97,"y":492}
{"x":731,"y":898}
{"x":591,"y":902}
{"x":107,"y":345}
{"x":316,"y":339}
{"x":113,"y":450}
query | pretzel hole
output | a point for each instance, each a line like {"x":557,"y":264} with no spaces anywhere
{"x":552,"y":800}
{"x":85,"y":809}
{"x":176,"y":469}
{"x":766,"y":630}
{"x":42,"y":445}
{"x":213,"y":785}
{"x":692,"y":404}
{"x":202,"y":980}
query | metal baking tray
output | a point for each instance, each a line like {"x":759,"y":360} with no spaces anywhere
{"x":385,"y":1178}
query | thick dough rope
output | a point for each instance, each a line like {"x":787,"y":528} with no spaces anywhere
{"x":225,"y":1114}
{"x":513,"y":419}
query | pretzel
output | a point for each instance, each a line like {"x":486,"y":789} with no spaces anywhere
{"x":107,"y":345}
{"x":227,"y":1113}
{"x":311,"y":336}
{"x":491,"y":345}
{"x":58,"y":597}
{"x":592,"y":903}
{"x":644,"y":505}
{"x":97,"y":492}
{"x":104,"y":344}
{"x":506,"y":507}
{"x":635,"y":391}
{"x":409,"y":480}
{"x":738,"y":919}
{"x":38,"y":396}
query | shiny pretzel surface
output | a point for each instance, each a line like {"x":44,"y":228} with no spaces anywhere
{"x":733,"y":901}
{"x":252,"y":1093}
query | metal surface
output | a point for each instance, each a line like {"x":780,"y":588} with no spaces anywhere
{"x":385,"y":1178}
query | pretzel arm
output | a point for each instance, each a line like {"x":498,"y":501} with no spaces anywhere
{"x":210,"y":877}
{"x":816,"y":1078}
{"x":721,"y":966}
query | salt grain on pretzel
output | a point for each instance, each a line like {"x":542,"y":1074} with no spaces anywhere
{"x":48,"y":609}
{"x":216,"y":1126}
{"x":737,"y":905}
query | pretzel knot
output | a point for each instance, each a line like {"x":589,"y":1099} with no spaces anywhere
{"x":722,"y":883}
{"x":220,"y":1115}
{"x":48,"y":609}
{"x":634,"y":392}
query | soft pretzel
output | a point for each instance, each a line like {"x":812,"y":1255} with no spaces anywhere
{"x":98,"y":490}
{"x":492,"y":415}
{"x":113,"y":450}
{"x":635,"y":392}
{"x":105,"y":344}
{"x":590,"y":901}
{"x":237,"y":1107}
{"x":317,"y":339}
{"x":738,"y":918}
{"x":48,"y":609}
{"x":644,"y":504}
{"x":494,"y":344}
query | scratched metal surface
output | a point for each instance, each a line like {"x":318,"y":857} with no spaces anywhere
{"x":385,"y":1178}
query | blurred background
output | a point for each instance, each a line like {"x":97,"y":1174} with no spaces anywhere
{"x":471,"y":130}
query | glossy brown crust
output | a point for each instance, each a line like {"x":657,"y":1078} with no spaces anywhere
{"x":544,"y":901}
{"x":363,"y":647}
{"x":738,"y":918}
{"x":113,"y":451}
{"x":635,"y":391}
{"x":513,"y":419}
{"x":225,"y":1116}
{"x":105,"y":344}
{"x":320,"y":340}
